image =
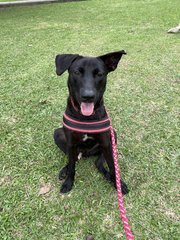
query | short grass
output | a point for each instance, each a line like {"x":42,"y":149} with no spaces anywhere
{"x":142,"y":99}
{"x":9,"y":0}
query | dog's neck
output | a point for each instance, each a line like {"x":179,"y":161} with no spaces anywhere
{"x":73,"y":111}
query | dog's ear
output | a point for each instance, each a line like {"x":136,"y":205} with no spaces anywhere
{"x":63,"y":62}
{"x":111,"y":60}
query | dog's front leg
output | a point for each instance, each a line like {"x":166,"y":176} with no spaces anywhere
{"x":105,"y":144}
{"x":68,"y":183}
{"x":107,"y":153}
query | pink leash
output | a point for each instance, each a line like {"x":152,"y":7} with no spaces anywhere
{"x":122,"y":210}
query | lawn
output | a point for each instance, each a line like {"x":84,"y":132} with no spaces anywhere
{"x":9,"y":0}
{"x":141,"y":97}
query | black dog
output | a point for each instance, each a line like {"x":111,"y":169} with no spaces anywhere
{"x":87,"y":84}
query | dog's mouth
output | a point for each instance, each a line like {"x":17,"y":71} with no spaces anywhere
{"x":87,"y":108}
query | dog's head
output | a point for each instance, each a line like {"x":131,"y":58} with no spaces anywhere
{"x":87,"y":77}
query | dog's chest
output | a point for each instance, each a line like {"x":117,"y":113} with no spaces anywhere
{"x":86,"y":137}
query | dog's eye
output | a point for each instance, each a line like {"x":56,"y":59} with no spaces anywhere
{"x":99,"y":74}
{"x":77,"y":72}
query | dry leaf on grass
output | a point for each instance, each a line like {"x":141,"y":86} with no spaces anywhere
{"x":90,"y":237}
{"x":5,"y":180}
{"x":45,"y":188}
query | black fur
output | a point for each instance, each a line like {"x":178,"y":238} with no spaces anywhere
{"x":86,"y":83}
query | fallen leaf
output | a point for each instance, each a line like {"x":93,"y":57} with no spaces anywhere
{"x":90,"y":237}
{"x":5,"y":180}
{"x":66,"y":207}
{"x":45,"y":188}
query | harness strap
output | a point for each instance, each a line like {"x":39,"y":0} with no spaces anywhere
{"x":86,"y":126}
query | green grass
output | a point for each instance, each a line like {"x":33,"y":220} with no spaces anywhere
{"x":9,"y":0}
{"x":141,"y":97}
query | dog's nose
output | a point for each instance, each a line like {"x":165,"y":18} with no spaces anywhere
{"x":88,"y":95}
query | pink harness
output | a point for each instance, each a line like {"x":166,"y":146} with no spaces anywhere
{"x":98,"y":127}
{"x":86,"y":126}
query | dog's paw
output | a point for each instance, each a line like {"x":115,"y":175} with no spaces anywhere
{"x":66,"y":187}
{"x":124,"y":187}
{"x":63,"y":173}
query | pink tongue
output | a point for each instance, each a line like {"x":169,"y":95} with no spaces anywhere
{"x":87,"y":108}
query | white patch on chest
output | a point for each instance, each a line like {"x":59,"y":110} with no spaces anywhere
{"x":86,"y":137}
{"x":79,"y":155}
